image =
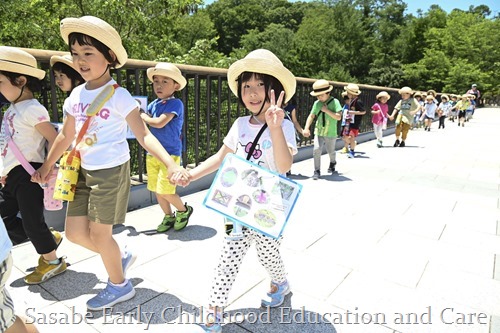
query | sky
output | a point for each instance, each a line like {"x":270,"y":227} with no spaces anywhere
{"x":446,"y":5}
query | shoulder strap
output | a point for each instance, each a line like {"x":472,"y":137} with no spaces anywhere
{"x":15,"y":150}
{"x":94,"y":107}
{"x":254,"y":143}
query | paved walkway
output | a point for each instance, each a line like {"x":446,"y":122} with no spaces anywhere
{"x":399,"y":240}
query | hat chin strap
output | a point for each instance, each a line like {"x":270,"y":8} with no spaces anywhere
{"x":18,"y":97}
{"x":261,"y":108}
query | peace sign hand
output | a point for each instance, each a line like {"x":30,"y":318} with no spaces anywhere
{"x":275,"y":114}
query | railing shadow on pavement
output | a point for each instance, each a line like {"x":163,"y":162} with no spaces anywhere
{"x":189,"y":233}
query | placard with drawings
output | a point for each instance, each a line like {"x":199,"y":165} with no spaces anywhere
{"x":256,"y":197}
{"x":143,"y":107}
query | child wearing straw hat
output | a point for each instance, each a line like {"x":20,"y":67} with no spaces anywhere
{"x":462,"y":105}
{"x":328,"y":111}
{"x":406,"y":108}
{"x":380,"y":112}
{"x":165,"y":118}
{"x":443,"y":109}
{"x":429,"y":111}
{"x":356,"y":110}
{"x":256,"y":79}
{"x":65,"y":74}
{"x":103,"y":187}
{"x":25,"y":131}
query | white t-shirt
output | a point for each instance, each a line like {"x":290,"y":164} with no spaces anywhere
{"x":242,"y":133}
{"x":104,"y":145}
{"x":22,"y":118}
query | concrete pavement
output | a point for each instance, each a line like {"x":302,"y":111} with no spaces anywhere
{"x":399,"y":240}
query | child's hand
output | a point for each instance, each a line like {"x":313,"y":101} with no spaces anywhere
{"x":275,"y":114}
{"x":41,"y":175}
{"x":179,"y":176}
{"x":306,"y":133}
{"x":3,"y":180}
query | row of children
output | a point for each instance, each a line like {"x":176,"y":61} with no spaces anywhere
{"x":415,"y":109}
{"x":261,"y":83}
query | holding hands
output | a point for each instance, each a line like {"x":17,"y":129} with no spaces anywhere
{"x":179,"y":176}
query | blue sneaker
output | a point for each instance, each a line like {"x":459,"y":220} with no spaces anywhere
{"x":127,"y":261}
{"x":277,"y":294}
{"x":213,"y":326}
{"x":110,"y":296}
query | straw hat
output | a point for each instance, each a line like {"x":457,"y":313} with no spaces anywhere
{"x":352,"y":89}
{"x":18,"y":61}
{"x":464,"y":96}
{"x":433,"y":92}
{"x":168,"y":70}
{"x":95,"y":27}
{"x":417,"y":94}
{"x":429,"y":98}
{"x":66,"y":59}
{"x":445,"y":96}
{"x":321,"y":87}
{"x":405,"y":90}
{"x":264,"y":62}
{"x":383,"y":94}
{"x":472,"y":96}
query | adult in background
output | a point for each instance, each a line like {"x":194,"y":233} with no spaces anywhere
{"x":477,"y":94}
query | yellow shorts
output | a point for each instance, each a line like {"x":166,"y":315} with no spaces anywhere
{"x":158,"y":175}
{"x":102,"y":195}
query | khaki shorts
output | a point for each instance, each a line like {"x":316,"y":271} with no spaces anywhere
{"x":7,"y":317}
{"x":158,"y":175}
{"x":102,"y":195}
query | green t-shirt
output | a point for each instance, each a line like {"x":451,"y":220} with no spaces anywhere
{"x":406,"y":106}
{"x":326,"y":125}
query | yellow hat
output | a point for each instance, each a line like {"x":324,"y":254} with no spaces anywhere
{"x":18,"y":61}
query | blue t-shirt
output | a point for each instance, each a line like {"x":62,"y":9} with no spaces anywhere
{"x":169,"y":135}
{"x":5,"y":243}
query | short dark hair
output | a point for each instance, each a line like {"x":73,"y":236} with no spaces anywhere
{"x":74,"y":76}
{"x":83,"y":39}
{"x":270,"y":82}
{"x":33,"y":83}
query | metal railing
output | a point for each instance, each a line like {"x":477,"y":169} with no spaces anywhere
{"x":210,"y":107}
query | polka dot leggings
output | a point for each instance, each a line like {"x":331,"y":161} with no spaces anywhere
{"x":233,"y":252}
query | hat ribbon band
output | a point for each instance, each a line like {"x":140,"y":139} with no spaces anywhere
{"x":18,"y":63}
{"x":321,"y":89}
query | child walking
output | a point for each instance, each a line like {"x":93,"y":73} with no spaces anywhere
{"x":356,"y":111}
{"x":462,"y":105}
{"x":25,"y":131}
{"x":443,"y":110}
{"x":103,"y":187}
{"x":380,"y":112}
{"x":429,"y":111}
{"x":165,"y":118}
{"x":406,"y":108}
{"x":328,"y":111}
{"x":254,"y":79}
